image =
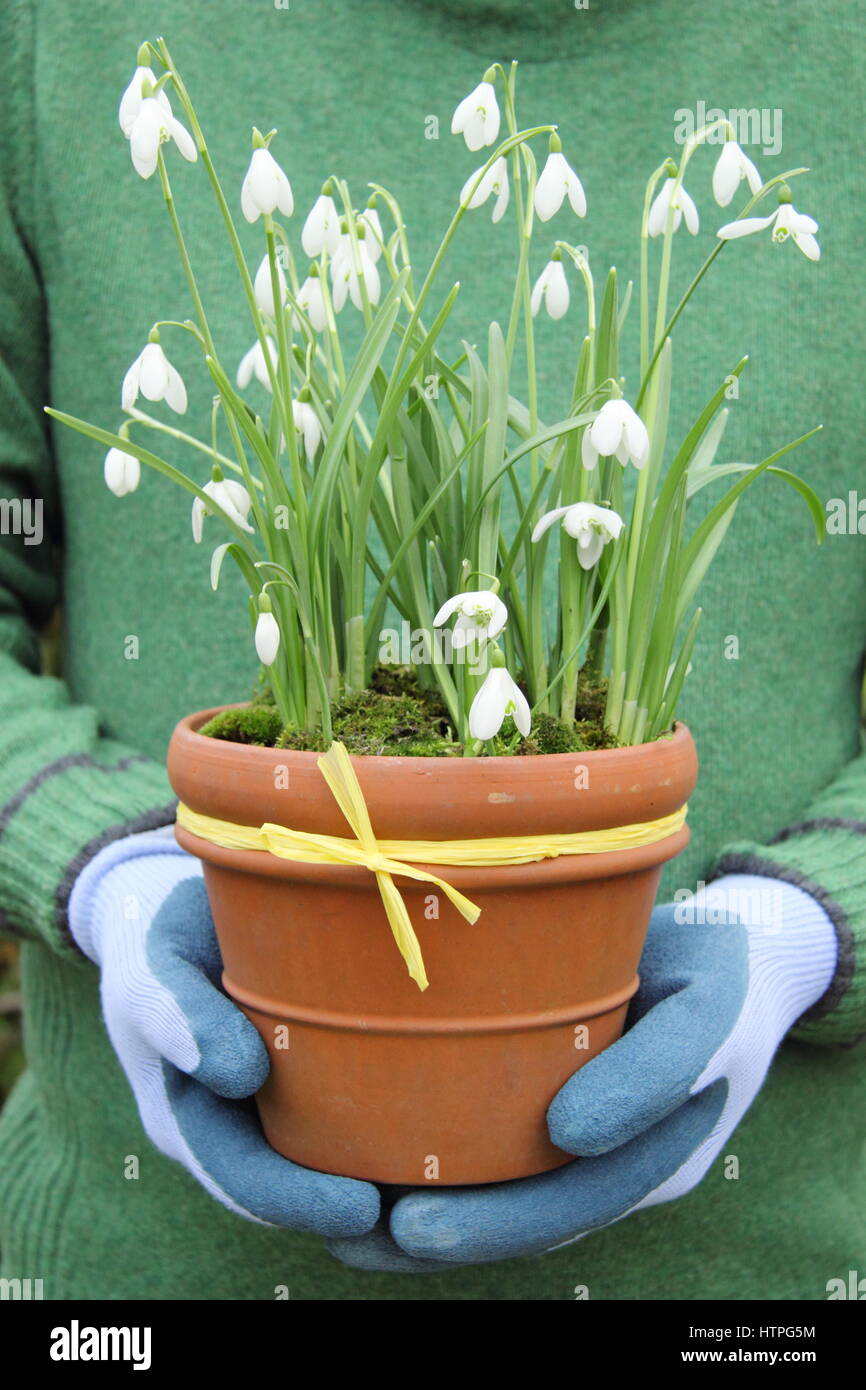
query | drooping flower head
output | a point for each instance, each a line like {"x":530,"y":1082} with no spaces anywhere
{"x":265,"y":188}
{"x":616,"y":429}
{"x":226,"y":496}
{"x":732,"y":166}
{"x":147,"y":121}
{"x":498,"y":699}
{"x":786,"y":222}
{"x":477,"y":116}
{"x":253,"y":364}
{"x":122,"y":472}
{"x":591,"y":526}
{"x":267,"y":635}
{"x":557,"y":182}
{"x":152,"y":375}
{"x":683,"y":206}
{"x":321,"y":231}
{"x":481,"y":614}
{"x":551,"y":289}
{"x":494,"y":181}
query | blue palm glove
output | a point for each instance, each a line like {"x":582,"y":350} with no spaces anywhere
{"x":139,"y":911}
{"x":648,"y":1116}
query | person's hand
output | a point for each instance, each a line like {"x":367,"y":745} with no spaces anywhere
{"x":648,"y":1116}
{"x":139,"y":911}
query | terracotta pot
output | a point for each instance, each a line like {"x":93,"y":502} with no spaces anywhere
{"x":370,"y":1077}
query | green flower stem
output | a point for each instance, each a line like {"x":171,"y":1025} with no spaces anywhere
{"x":291,"y":438}
{"x":150,"y":422}
{"x":669,"y":326}
{"x":652,"y":184}
{"x":689,"y":148}
{"x":504,"y":148}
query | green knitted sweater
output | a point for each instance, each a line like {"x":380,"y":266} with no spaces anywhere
{"x":88,"y":264}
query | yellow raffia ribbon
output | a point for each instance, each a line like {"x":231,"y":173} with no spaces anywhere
{"x":387,"y":857}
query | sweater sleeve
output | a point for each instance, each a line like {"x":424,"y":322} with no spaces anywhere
{"x":65,"y":791}
{"x":825,"y":854}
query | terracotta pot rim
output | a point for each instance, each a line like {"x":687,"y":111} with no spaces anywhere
{"x":188,"y":729}
{"x":435,"y":798}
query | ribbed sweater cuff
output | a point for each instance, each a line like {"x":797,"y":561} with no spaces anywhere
{"x":58,"y":819}
{"x":827,"y":859}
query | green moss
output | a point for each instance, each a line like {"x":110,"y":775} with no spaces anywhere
{"x":398,"y":716}
{"x":384,"y":725}
{"x":591,"y":700}
{"x":256,"y":724}
{"x":262,"y":693}
{"x":551,"y":735}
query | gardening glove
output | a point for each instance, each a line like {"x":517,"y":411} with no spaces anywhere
{"x":722,"y":979}
{"x":140,"y":912}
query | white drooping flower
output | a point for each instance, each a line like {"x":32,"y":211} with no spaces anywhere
{"x":481,"y":615}
{"x":494,"y":181}
{"x":477,"y":117}
{"x":552,"y":287}
{"x":226,"y":496}
{"x":786,"y":222}
{"x":264,"y":290}
{"x":683,"y":206}
{"x":321,"y":231}
{"x":307,"y":425}
{"x":591,"y":526}
{"x":375,"y":237}
{"x":312,"y":301}
{"x":147,"y":122}
{"x":348,"y":268}
{"x":155,"y":378}
{"x":130,"y":102}
{"x":122,"y":472}
{"x":267,"y":637}
{"x":733,"y":165}
{"x":265,"y":188}
{"x":498,"y":698}
{"x":616,"y":429}
{"x":253,"y":364}
{"x":558,"y":180}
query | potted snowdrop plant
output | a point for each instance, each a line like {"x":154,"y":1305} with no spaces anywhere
{"x":462,"y":765}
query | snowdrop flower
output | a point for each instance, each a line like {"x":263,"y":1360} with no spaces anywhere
{"x":480,"y":614}
{"x":307,"y":425}
{"x":477,"y":117}
{"x":122,"y":472}
{"x":498,"y":698}
{"x":494,"y":181}
{"x":312,"y":301}
{"x":785,"y":221}
{"x":347,"y":270}
{"x":227,"y":496}
{"x":552,"y":287}
{"x":732,"y":166}
{"x":321,"y":230}
{"x":592,"y":527}
{"x":375,"y":237}
{"x":616,"y":429}
{"x":155,"y":378}
{"x":253,"y":364}
{"x":267,"y":633}
{"x":154,"y":124}
{"x":557,"y":180}
{"x":683,"y":207}
{"x":130,"y":102}
{"x":265,"y":188}
{"x":263,"y":288}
